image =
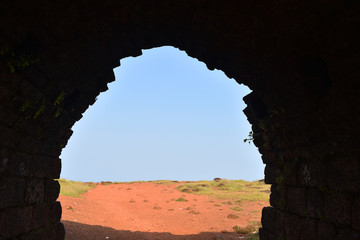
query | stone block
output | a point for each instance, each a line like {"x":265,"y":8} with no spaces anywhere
{"x":51,"y":232}
{"x":4,"y":93}
{"x":356,"y":213}
{"x":12,"y":191}
{"x":271,"y":173}
{"x":55,"y":168}
{"x":4,"y":160}
{"x":44,"y":214}
{"x":258,"y":139}
{"x":292,"y":227}
{"x":21,"y":164}
{"x":273,"y":220}
{"x":326,"y":231}
{"x":34,"y":191}
{"x":338,"y":206}
{"x":8,"y":137}
{"x":275,"y":196}
{"x":269,"y":158}
{"x":312,"y":174}
{"x":29,"y":144}
{"x":280,"y":222}
{"x":47,"y":167}
{"x":266,"y":235}
{"x":268,"y":219}
{"x":51,"y":149}
{"x":295,"y":201}
{"x":344,"y":174}
{"x":15,"y":221}
{"x":348,"y":233}
{"x":314,"y":203}
{"x":52,"y":190}
{"x":7,"y":118}
{"x":308,"y":229}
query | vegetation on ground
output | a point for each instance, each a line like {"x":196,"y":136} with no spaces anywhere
{"x":74,"y":188}
{"x":166,"y":182}
{"x":254,"y":236}
{"x":234,"y":191}
{"x":251,"y":229}
{"x":232,"y":216}
{"x":181,"y":199}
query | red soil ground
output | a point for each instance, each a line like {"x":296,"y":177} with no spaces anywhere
{"x":150,"y":211}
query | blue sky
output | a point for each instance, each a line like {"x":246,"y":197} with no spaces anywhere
{"x":165,"y":117}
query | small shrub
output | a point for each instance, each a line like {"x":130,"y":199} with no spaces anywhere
{"x":194,"y":212}
{"x":244,"y":230}
{"x":181,"y":199}
{"x":157,"y":207}
{"x":105,"y":183}
{"x":232,"y":216}
{"x":237,"y":208}
{"x":227,"y":203}
{"x":253,"y":227}
{"x":254,"y":236}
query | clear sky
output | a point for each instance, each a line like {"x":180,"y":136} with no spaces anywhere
{"x":165,"y":117}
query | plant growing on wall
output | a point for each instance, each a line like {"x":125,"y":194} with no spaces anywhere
{"x":250,"y":138}
{"x":16,"y":61}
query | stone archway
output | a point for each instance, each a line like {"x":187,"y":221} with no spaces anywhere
{"x":300,"y":60}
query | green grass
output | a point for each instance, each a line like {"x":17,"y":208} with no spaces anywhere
{"x":166,"y":182}
{"x":132,"y":182}
{"x":181,"y":200}
{"x":237,"y":208}
{"x":233,"y":190}
{"x":254,"y":236}
{"x":73,"y":188}
{"x":252,"y":228}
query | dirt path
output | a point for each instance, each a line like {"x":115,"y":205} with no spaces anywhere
{"x":150,"y":211}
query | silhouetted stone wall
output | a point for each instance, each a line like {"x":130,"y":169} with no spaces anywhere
{"x":300,"y":58}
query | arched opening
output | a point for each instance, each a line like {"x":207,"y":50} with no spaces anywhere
{"x":300,"y":59}
{"x":168,"y":117}
{"x":164,"y":107}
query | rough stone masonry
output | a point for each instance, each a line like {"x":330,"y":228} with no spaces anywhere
{"x":300,"y":58}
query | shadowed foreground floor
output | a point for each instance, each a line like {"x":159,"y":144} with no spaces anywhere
{"x":79,"y":231}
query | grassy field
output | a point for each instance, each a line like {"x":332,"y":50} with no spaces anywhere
{"x":73,"y":188}
{"x":233,"y":190}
